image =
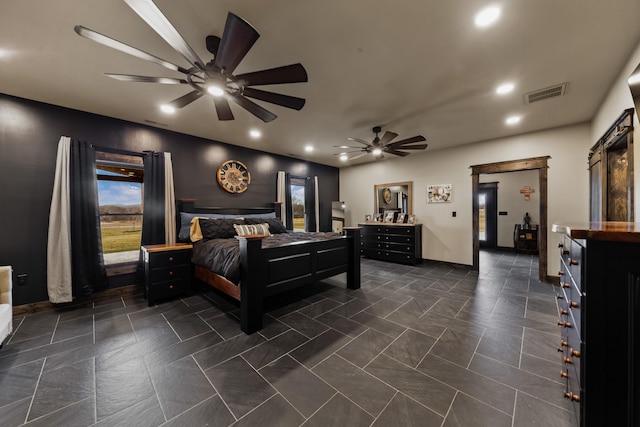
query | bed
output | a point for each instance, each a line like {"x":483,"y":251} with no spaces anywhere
{"x":267,"y":265}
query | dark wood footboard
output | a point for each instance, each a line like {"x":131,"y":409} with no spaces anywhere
{"x":269,"y":271}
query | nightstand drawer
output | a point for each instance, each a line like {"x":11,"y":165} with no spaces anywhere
{"x":171,"y":288}
{"x":167,"y":258}
{"x":169,"y":273}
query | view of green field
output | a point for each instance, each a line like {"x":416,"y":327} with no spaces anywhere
{"x":298,"y":223}
{"x":120,"y":236}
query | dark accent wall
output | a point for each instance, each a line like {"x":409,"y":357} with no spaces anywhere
{"x":29,"y":135}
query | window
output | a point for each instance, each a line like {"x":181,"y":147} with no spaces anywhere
{"x":120,"y":193}
{"x":297,"y":203}
{"x":482,"y":217}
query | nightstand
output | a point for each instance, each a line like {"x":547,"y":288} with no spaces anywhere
{"x":167,"y":270}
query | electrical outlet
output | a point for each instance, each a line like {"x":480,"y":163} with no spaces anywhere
{"x":453,"y":214}
{"x":22,"y":279}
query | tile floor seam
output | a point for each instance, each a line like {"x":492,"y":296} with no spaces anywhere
{"x":155,"y":390}
{"x":55,"y":328}
{"x":35,"y":390}
{"x":217,"y":393}
{"x":475,"y":350}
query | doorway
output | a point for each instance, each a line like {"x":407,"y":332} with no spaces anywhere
{"x":534,"y":163}
{"x":298,"y":200}
{"x":488,"y":215}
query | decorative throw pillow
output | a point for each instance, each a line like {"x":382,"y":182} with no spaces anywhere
{"x":185,"y":223}
{"x":252,"y":229}
{"x":218,"y":228}
{"x":275,"y":225}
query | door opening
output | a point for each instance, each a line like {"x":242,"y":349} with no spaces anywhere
{"x":488,"y":215}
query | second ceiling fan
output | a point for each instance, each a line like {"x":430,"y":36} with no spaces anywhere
{"x":379,"y":146}
{"x":216,"y":76}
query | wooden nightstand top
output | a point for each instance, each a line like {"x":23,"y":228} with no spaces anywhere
{"x":163,"y":247}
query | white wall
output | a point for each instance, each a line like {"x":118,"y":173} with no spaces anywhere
{"x":617,"y":100}
{"x":513,"y":203}
{"x":449,"y":239}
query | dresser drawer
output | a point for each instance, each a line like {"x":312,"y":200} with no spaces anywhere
{"x":371,"y":244}
{"x":403,"y":231}
{"x":169,"y":273}
{"x":394,"y":238}
{"x":400,"y":256}
{"x":170,"y":288}
{"x":395,"y":247}
{"x":167,"y":258}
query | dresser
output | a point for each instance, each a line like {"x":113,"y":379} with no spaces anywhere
{"x":599,"y":310}
{"x":391,"y":242}
{"x":167,"y":271}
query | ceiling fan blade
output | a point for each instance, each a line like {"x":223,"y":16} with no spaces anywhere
{"x":387,"y":137}
{"x":358,"y":156}
{"x":346,"y":146}
{"x":213,"y":43}
{"x":294,"y":73}
{"x":122,"y":47}
{"x":407,"y":147}
{"x":150,"y":13}
{"x":275,"y":98}
{"x":396,"y":152}
{"x":146,"y":79}
{"x":416,"y":138}
{"x":222,"y":108}
{"x":261,"y":113}
{"x":361,"y":141}
{"x":237,"y":39}
{"x":186,"y":99}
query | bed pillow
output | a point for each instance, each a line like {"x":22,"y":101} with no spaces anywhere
{"x":260,"y":215}
{"x":218,"y":228}
{"x":275,"y":225}
{"x":185,"y":223}
{"x":252,"y":229}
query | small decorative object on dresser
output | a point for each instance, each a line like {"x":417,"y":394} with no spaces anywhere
{"x":401,"y":218}
{"x":411,"y":219}
{"x":367,"y":217}
{"x":167,"y":270}
{"x":377,"y":217}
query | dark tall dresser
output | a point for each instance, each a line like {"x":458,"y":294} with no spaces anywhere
{"x":599,"y":308}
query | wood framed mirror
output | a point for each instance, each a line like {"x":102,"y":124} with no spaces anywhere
{"x":394,"y":196}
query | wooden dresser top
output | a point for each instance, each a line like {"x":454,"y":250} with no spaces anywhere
{"x":606,"y":231}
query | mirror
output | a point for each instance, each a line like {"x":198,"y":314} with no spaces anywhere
{"x":395,"y":196}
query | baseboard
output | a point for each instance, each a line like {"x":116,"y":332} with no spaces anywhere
{"x":554,"y":280}
{"x":37,"y":307}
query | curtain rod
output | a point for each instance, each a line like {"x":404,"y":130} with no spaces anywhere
{"x":119,"y":151}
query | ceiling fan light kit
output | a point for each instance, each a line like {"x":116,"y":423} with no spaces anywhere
{"x":379,"y":146}
{"x":215,"y":77}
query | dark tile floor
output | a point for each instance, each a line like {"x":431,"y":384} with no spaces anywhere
{"x":416,"y":346}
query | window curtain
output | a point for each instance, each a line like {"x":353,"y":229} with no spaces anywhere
{"x":159,"y":214}
{"x":288,"y":205}
{"x":281,"y":191}
{"x":75,"y":263}
{"x":311,"y":207}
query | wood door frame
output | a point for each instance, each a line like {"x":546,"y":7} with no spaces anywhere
{"x":533,"y":163}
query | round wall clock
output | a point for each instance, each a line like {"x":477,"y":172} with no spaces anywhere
{"x":234,"y":176}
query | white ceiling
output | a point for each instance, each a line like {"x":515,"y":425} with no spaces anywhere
{"x":411,"y":66}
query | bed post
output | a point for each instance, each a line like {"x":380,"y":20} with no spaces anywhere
{"x":353,"y":257}
{"x":252,"y":283}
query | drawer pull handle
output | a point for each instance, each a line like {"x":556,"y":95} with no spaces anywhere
{"x":171,"y":273}
{"x":170,"y":258}
{"x":564,"y":374}
{"x":566,"y":285}
{"x":564,"y":343}
{"x":574,"y":353}
{"x":563,"y":312}
{"x":560,"y":245}
{"x":573,"y":261}
{"x":565,"y":324}
{"x":572,"y":396}
{"x":170,"y":286}
{"x":565,"y":252}
{"x":560,"y":296}
{"x":560,"y":273}
{"x":573,"y":304}
{"x":567,"y":360}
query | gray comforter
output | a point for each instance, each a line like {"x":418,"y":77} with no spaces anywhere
{"x":222,"y":256}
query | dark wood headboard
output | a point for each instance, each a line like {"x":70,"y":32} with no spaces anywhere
{"x":189,"y":205}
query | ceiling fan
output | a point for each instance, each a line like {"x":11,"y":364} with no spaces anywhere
{"x":383,"y":145}
{"x":216,"y":76}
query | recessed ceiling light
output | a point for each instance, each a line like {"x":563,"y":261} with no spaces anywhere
{"x":487,"y":16}
{"x":4,"y":53}
{"x":308,"y":148}
{"x":344,"y":157}
{"x":635,"y":78}
{"x":505,"y":88}
{"x":255,"y":133}
{"x":167,"y":109}
{"x":513,"y":120}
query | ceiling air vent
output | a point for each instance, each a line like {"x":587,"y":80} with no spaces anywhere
{"x":549,"y":92}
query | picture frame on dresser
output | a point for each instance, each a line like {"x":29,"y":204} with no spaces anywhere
{"x":401,"y":218}
{"x":389,"y":216}
{"x":411,"y":219}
